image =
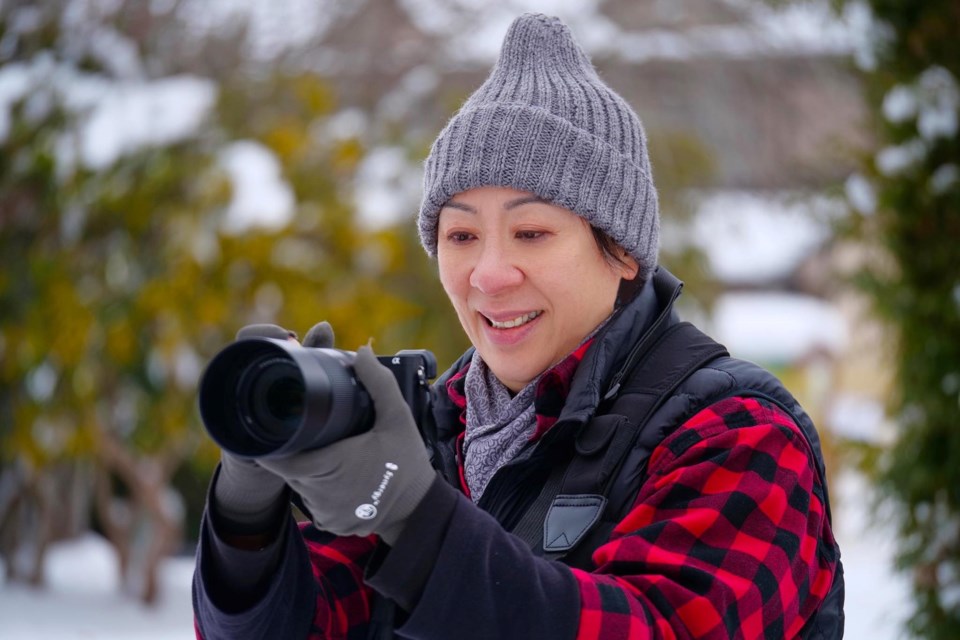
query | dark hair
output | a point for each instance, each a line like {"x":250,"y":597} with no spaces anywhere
{"x":613,"y":254}
{"x":608,"y":247}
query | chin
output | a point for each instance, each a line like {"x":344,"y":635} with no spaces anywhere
{"x":513,"y":378}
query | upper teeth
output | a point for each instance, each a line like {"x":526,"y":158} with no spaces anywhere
{"x":516,"y":322}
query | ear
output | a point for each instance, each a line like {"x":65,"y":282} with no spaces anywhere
{"x":627,"y":267}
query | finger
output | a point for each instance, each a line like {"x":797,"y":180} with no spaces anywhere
{"x":319,"y":336}
{"x":378,"y":379}
{"x":306,"y":464}
{"x":265,"y":331}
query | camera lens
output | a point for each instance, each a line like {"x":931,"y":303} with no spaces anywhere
{"x":261,"y":397}
{"x":273,"y":391}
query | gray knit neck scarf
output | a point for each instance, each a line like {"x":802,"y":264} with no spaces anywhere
{"x":498,"y":426}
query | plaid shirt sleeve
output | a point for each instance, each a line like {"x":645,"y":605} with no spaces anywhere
{"x":343,"y":600}
{"x":728,"y":536}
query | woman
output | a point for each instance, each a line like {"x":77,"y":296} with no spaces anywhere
{"x":594,"y":468}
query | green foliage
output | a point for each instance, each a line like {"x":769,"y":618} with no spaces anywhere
{"x":367,"y":284}
{"x":98,"y":294}
{"x":119,"y":283}
{"x":914,"y":281}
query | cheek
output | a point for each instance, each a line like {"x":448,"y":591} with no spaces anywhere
{"x":453,"y":279}
{"x":588,"y":291}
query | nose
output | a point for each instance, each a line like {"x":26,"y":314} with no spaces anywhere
{"x":495,"y":270}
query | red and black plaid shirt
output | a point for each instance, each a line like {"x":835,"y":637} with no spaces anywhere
{"x":726,"y":537}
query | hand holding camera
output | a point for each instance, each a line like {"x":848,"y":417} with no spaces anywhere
{"x":339,"y":428}
{"x":369,"y":482}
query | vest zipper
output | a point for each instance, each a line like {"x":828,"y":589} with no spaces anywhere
{"x":638,"y":349}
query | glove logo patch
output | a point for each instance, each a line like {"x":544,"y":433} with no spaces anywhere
{"x":368,"y":511}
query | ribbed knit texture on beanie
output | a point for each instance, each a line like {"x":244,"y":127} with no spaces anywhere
{"x":544,"y":122}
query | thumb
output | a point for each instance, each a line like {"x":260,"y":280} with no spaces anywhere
{"x":378,"y":379}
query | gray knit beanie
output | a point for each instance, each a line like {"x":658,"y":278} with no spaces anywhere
{"x":544,"y":122}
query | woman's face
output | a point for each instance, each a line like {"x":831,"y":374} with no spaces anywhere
{"x":526,"y":277}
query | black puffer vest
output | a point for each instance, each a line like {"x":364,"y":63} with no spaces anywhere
{"x":610,"y":380}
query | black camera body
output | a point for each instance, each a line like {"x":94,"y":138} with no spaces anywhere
{"x":261,"y":397}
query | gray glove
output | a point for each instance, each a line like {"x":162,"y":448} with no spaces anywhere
{"x":367,"y":483}
{"x":247,"y":497}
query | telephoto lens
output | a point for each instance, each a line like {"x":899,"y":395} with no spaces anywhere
{"x":261,"y":397}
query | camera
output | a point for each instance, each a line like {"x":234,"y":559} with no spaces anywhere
{"x":261,"y":397}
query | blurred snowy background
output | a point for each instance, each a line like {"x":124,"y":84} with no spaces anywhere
{"x":202,"y":165}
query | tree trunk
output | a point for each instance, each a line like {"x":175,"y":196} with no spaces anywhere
{"x":33,"y":516}
{"x":147,"y":479}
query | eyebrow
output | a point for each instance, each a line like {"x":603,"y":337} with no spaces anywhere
{"x":510,"y":204}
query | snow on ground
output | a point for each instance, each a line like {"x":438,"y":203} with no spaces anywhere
{"x":82,"y":601}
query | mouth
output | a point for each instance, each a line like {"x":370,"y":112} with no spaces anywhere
{"x":512,"y":323}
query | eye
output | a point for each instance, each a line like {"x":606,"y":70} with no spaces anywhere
{"x":530,"y":234}
{"x":459,"y":237}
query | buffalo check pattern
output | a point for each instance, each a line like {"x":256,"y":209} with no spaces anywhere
{"x":728,"y":537}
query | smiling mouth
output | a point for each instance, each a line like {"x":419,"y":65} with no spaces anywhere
{"x":516,"y":322}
